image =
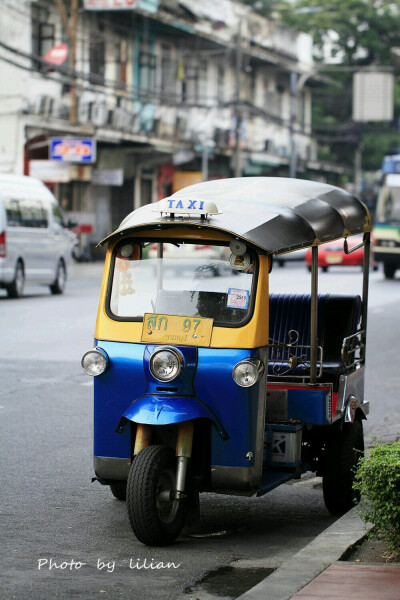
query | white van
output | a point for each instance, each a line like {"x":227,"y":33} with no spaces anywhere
{"x":35,"y":244}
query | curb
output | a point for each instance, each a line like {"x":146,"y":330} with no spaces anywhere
{"x":328,"y":547}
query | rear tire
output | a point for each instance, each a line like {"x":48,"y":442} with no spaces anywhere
{"x":58,"y":286}
{"x":389,"y":270}
{"x":118,"y":490}
{"x":343,"y":454}
{"x":155,"y":518}
{"x":324,"y":269}
{"x":16,"y":288}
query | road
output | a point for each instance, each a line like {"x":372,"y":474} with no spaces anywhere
{"x":52,"y":511}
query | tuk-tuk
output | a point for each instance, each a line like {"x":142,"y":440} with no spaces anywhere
{"x":204,"y":380}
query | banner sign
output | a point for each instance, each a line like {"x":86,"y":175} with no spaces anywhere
{"x":73,"y":150}
{"x":148,"y":5}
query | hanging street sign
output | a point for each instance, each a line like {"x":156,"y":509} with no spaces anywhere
{"x":73,"y":150}
{"x":57,"y":55}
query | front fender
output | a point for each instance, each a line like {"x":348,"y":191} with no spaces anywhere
{"x":153,"y":409}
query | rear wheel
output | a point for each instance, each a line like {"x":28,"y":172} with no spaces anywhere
{"x":389,"y":270}
{"x":343,"y":454}
{"x":155,"y":516}
{"x":58,"y":286}
{"x":118,"y":490}
{"x":16,"y":287}
{"x":324,"y":269}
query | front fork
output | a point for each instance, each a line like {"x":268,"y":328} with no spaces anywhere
{"x":184,"y":445}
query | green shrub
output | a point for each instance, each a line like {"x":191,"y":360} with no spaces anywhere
{"x":378,"y":480}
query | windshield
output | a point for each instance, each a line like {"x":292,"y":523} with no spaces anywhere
{"x":189,"y":279}
{"x":389,"y":204}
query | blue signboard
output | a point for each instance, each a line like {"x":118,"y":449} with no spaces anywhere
{"x":73,"y":150}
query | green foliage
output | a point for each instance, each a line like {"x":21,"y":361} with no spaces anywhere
{"x":378,"y":481}
{"x":355,"y":33}
{"x":364,"y":30}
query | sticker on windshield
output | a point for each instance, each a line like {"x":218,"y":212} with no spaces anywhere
{"x":238,"y":298}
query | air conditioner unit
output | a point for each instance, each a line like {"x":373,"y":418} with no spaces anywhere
{"x":44,"y":106}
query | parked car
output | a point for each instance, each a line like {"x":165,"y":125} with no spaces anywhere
{"x":332,"y":254}
{"x":35,"y":243}
{"x":290,"y":257}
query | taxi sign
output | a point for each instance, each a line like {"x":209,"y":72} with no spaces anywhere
{"x":73,"y":150}
{"x":188,"y":207}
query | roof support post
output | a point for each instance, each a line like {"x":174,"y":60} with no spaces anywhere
{"x":314,"y":315}
{"x":367,"y":254}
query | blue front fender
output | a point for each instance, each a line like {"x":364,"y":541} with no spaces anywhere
{"x":166,"y":410}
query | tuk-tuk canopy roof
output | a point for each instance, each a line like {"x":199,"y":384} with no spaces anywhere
{"x":274,"y":214}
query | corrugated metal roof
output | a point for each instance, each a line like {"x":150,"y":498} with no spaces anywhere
{"x":274,"y":214}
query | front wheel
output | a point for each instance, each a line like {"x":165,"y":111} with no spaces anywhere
{"x":118,"y":490}
{"x":156,"y":517}
{"x":343,"y":454}
{"x":389,"y":270}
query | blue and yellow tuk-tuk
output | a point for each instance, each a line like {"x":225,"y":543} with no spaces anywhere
{"x":204,"y":380}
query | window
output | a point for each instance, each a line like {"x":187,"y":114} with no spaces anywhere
{"x":33,"y":214}
{"x":147,"y":71}
{"x":202,"y":86}
{"x":120,"y":62}
{"x":168,"y":74}
{"x":221,"y":83}
{"x":273,"y":102}
{"x":97,"y":50}
{"x":57,"y":215}
{"x":13,"y":213}
{"x":43,"y":36}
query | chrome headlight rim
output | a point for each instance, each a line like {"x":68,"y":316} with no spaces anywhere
{"x":176,"y":354}
{"x":258,"y":368}
{"x":100,"y":355}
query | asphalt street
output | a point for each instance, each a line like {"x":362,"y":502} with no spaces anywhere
{"x":52,"y":511}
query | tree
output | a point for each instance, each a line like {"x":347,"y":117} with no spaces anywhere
{"x":362,"y":32}
{"x":349,"y":33}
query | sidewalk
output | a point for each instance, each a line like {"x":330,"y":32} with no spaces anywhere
{"x":316,"y":572}
{"x":358,"y":581}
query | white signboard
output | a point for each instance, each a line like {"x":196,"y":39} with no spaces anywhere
{"x":373,"y":96}
{"x":50,"y":171}
{"x":108,"y":177}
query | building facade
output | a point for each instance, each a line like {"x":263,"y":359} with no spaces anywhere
{"x":117,"y":103}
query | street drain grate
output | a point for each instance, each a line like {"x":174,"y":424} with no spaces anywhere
{"x":230,"y":582}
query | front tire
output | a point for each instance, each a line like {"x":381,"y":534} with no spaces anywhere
{"x":58,"y":286}
{"x":118,"y":490}
{"x":155,"y":516}
{"x":16,"y":287}
{"x":343,"y":454}
{"x":389,"y":270}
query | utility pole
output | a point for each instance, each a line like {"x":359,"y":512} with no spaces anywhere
{"x":70,"y":28}
{"x":239,"y":117}
{"x":293,"y":122}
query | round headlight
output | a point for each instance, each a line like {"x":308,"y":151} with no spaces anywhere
{"x":94,"y":362}
{"x":165,"y":364}
{"x":247,"y":372}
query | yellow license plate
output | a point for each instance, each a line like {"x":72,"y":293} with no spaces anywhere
{"x":333,"y":259}
{"x":177,"y":330}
